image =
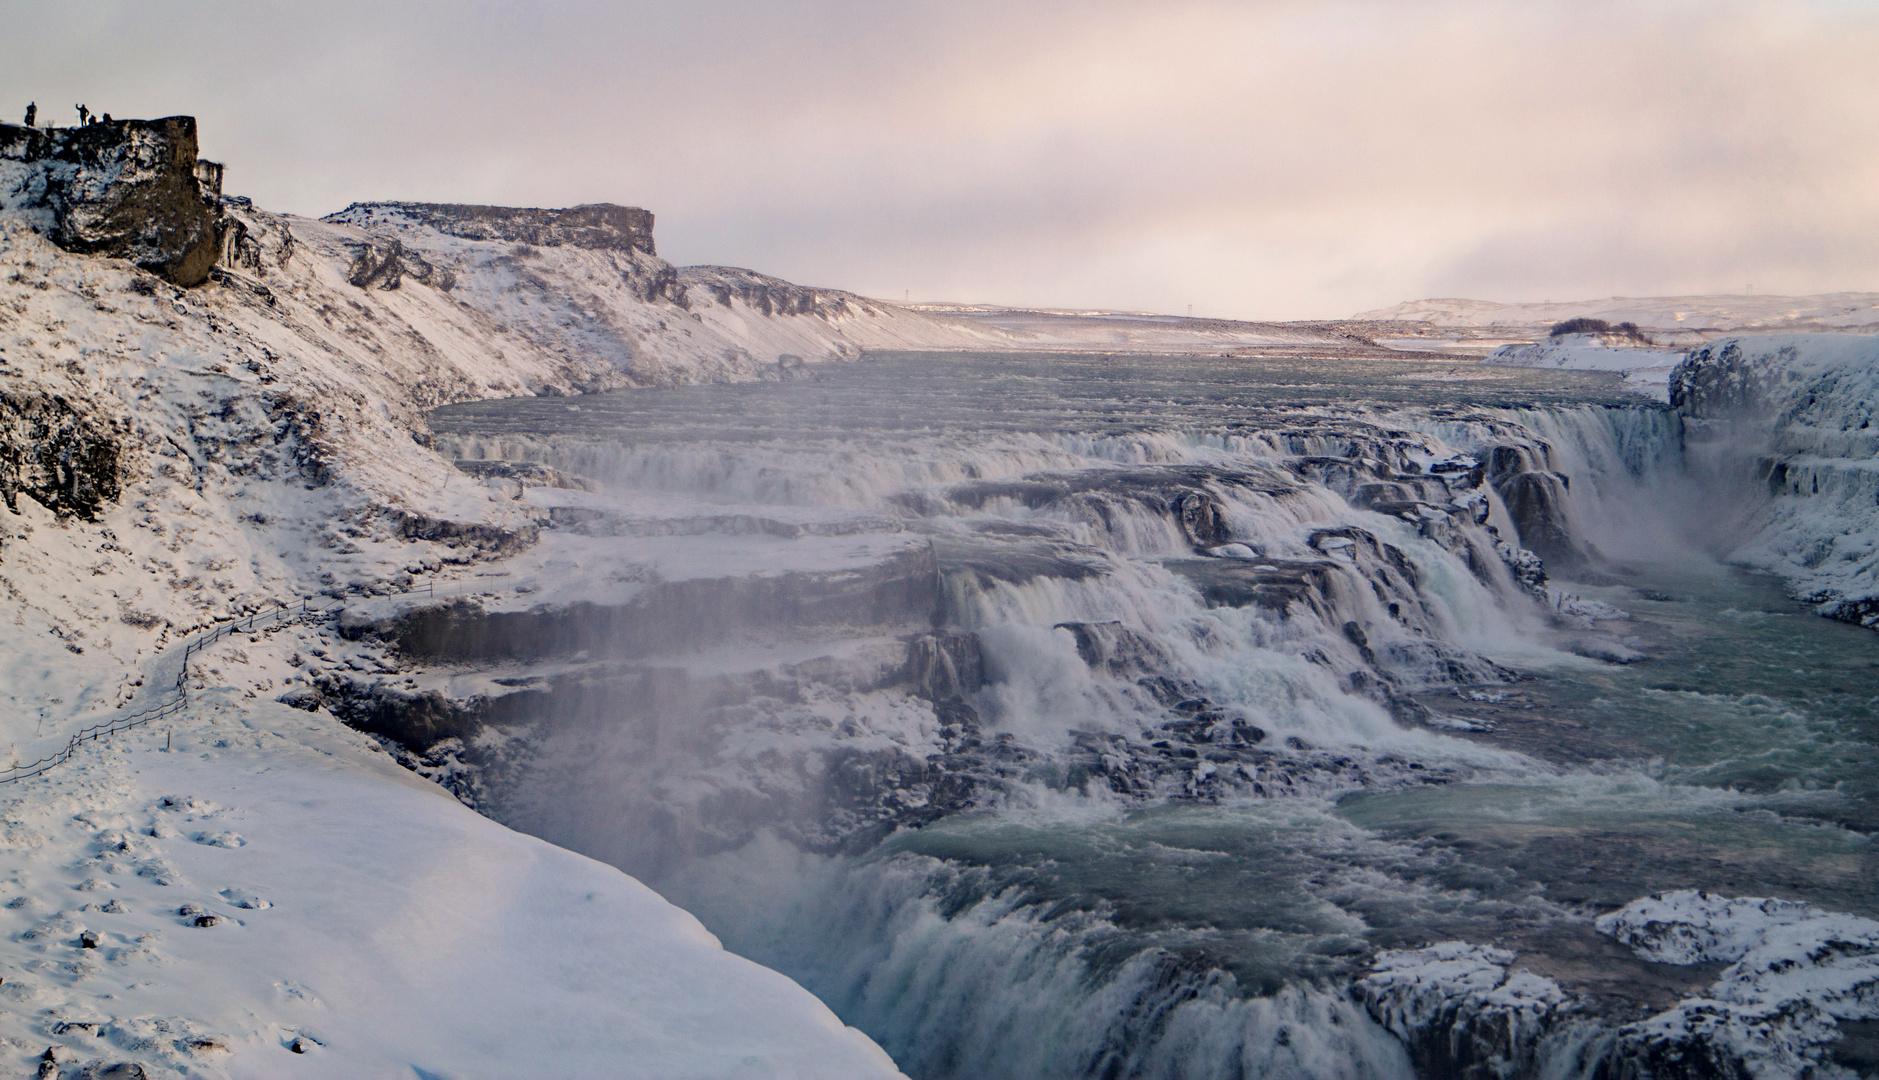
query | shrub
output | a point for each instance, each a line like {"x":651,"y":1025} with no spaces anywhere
{"x":1599,"y":326}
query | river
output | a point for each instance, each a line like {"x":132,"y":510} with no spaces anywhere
{"x":1261,"y":700}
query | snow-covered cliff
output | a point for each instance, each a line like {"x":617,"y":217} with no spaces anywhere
{"x":249,"y":890}
{"x":1786,"y":423}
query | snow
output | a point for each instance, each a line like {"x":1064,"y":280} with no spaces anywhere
{"x":1412,"y":986}
{"x":1835,"y":311}
{"x":359,"y":913}
{"x":1468,"y":1004}
{"x":1646,"y":370}
{"x":1802,"y":404}
{"x":264,"y":437}
{"x":1795,"y":970}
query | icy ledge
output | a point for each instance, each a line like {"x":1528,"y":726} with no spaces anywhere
{"x":1795,"y":971}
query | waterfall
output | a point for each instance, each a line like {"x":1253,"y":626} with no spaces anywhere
{"x":1090,"y":806}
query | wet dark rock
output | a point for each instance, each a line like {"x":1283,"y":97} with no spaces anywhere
{"x":1537,"y":503}
{"x":1017,"y":563}
{"x":1178,"y":492}
{"x":127,"y":189}
{"x":1116,"y":649}
{"x":416,"y":719}
{"x":772,"y":296}
{"x":1722,"y":383}
{"x":1267,"y":583}
{"x":944,"y":667}
{"x":527,"y":473}
{"x":1202,"y":519}
{"x":490,"y":541}
{"x":677,"y":615}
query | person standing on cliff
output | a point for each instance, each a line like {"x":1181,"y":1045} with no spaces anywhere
{"x":32,"y":111}
{"x":82,"y":114}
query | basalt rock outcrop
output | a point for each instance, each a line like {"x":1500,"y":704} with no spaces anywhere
{"x":131,"y":189}
{"x":598,"y":226}
{"x":770,"y":295}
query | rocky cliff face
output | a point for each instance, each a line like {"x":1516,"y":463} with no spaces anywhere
{"x":127,"y":188}
{"x":596,"y":226}
{"x":1786,"y":422}
{"x":723,"y":285}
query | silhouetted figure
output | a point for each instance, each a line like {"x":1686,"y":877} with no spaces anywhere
{"x":83,"y":113}
{"x":32,"y":111}
{"x":107,"y":118}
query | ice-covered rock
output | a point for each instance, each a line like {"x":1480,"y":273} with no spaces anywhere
{"x":1464,"y":1010}
{"x":1785,"y":423}
{"x":1795,"y":970}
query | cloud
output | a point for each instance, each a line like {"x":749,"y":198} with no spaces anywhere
{"x":1254,"y":159}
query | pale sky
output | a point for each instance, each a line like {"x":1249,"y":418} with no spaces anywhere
{"x":1255,"y":160}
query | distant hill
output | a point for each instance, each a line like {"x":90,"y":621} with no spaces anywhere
{"x":1857,"y":312}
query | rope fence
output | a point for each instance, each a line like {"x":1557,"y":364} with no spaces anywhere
{"x":181,"y":691}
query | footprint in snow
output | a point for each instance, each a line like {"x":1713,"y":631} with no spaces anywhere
{"x":221,"y":839}
{"x":189,"y":804}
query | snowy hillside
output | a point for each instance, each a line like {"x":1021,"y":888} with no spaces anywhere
{"x":1832,"y":311}
{"x":180,"y":456}
{"x":602,"y":317}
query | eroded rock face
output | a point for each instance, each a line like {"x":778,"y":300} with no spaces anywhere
{"x":127,"y":189}
{"x":772,"y":296}
{"x":385,"y":264}
{"x":68,"y":461}
{"x":599,"y":226}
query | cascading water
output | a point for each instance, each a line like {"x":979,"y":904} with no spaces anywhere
{"x":1232,"y":678}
